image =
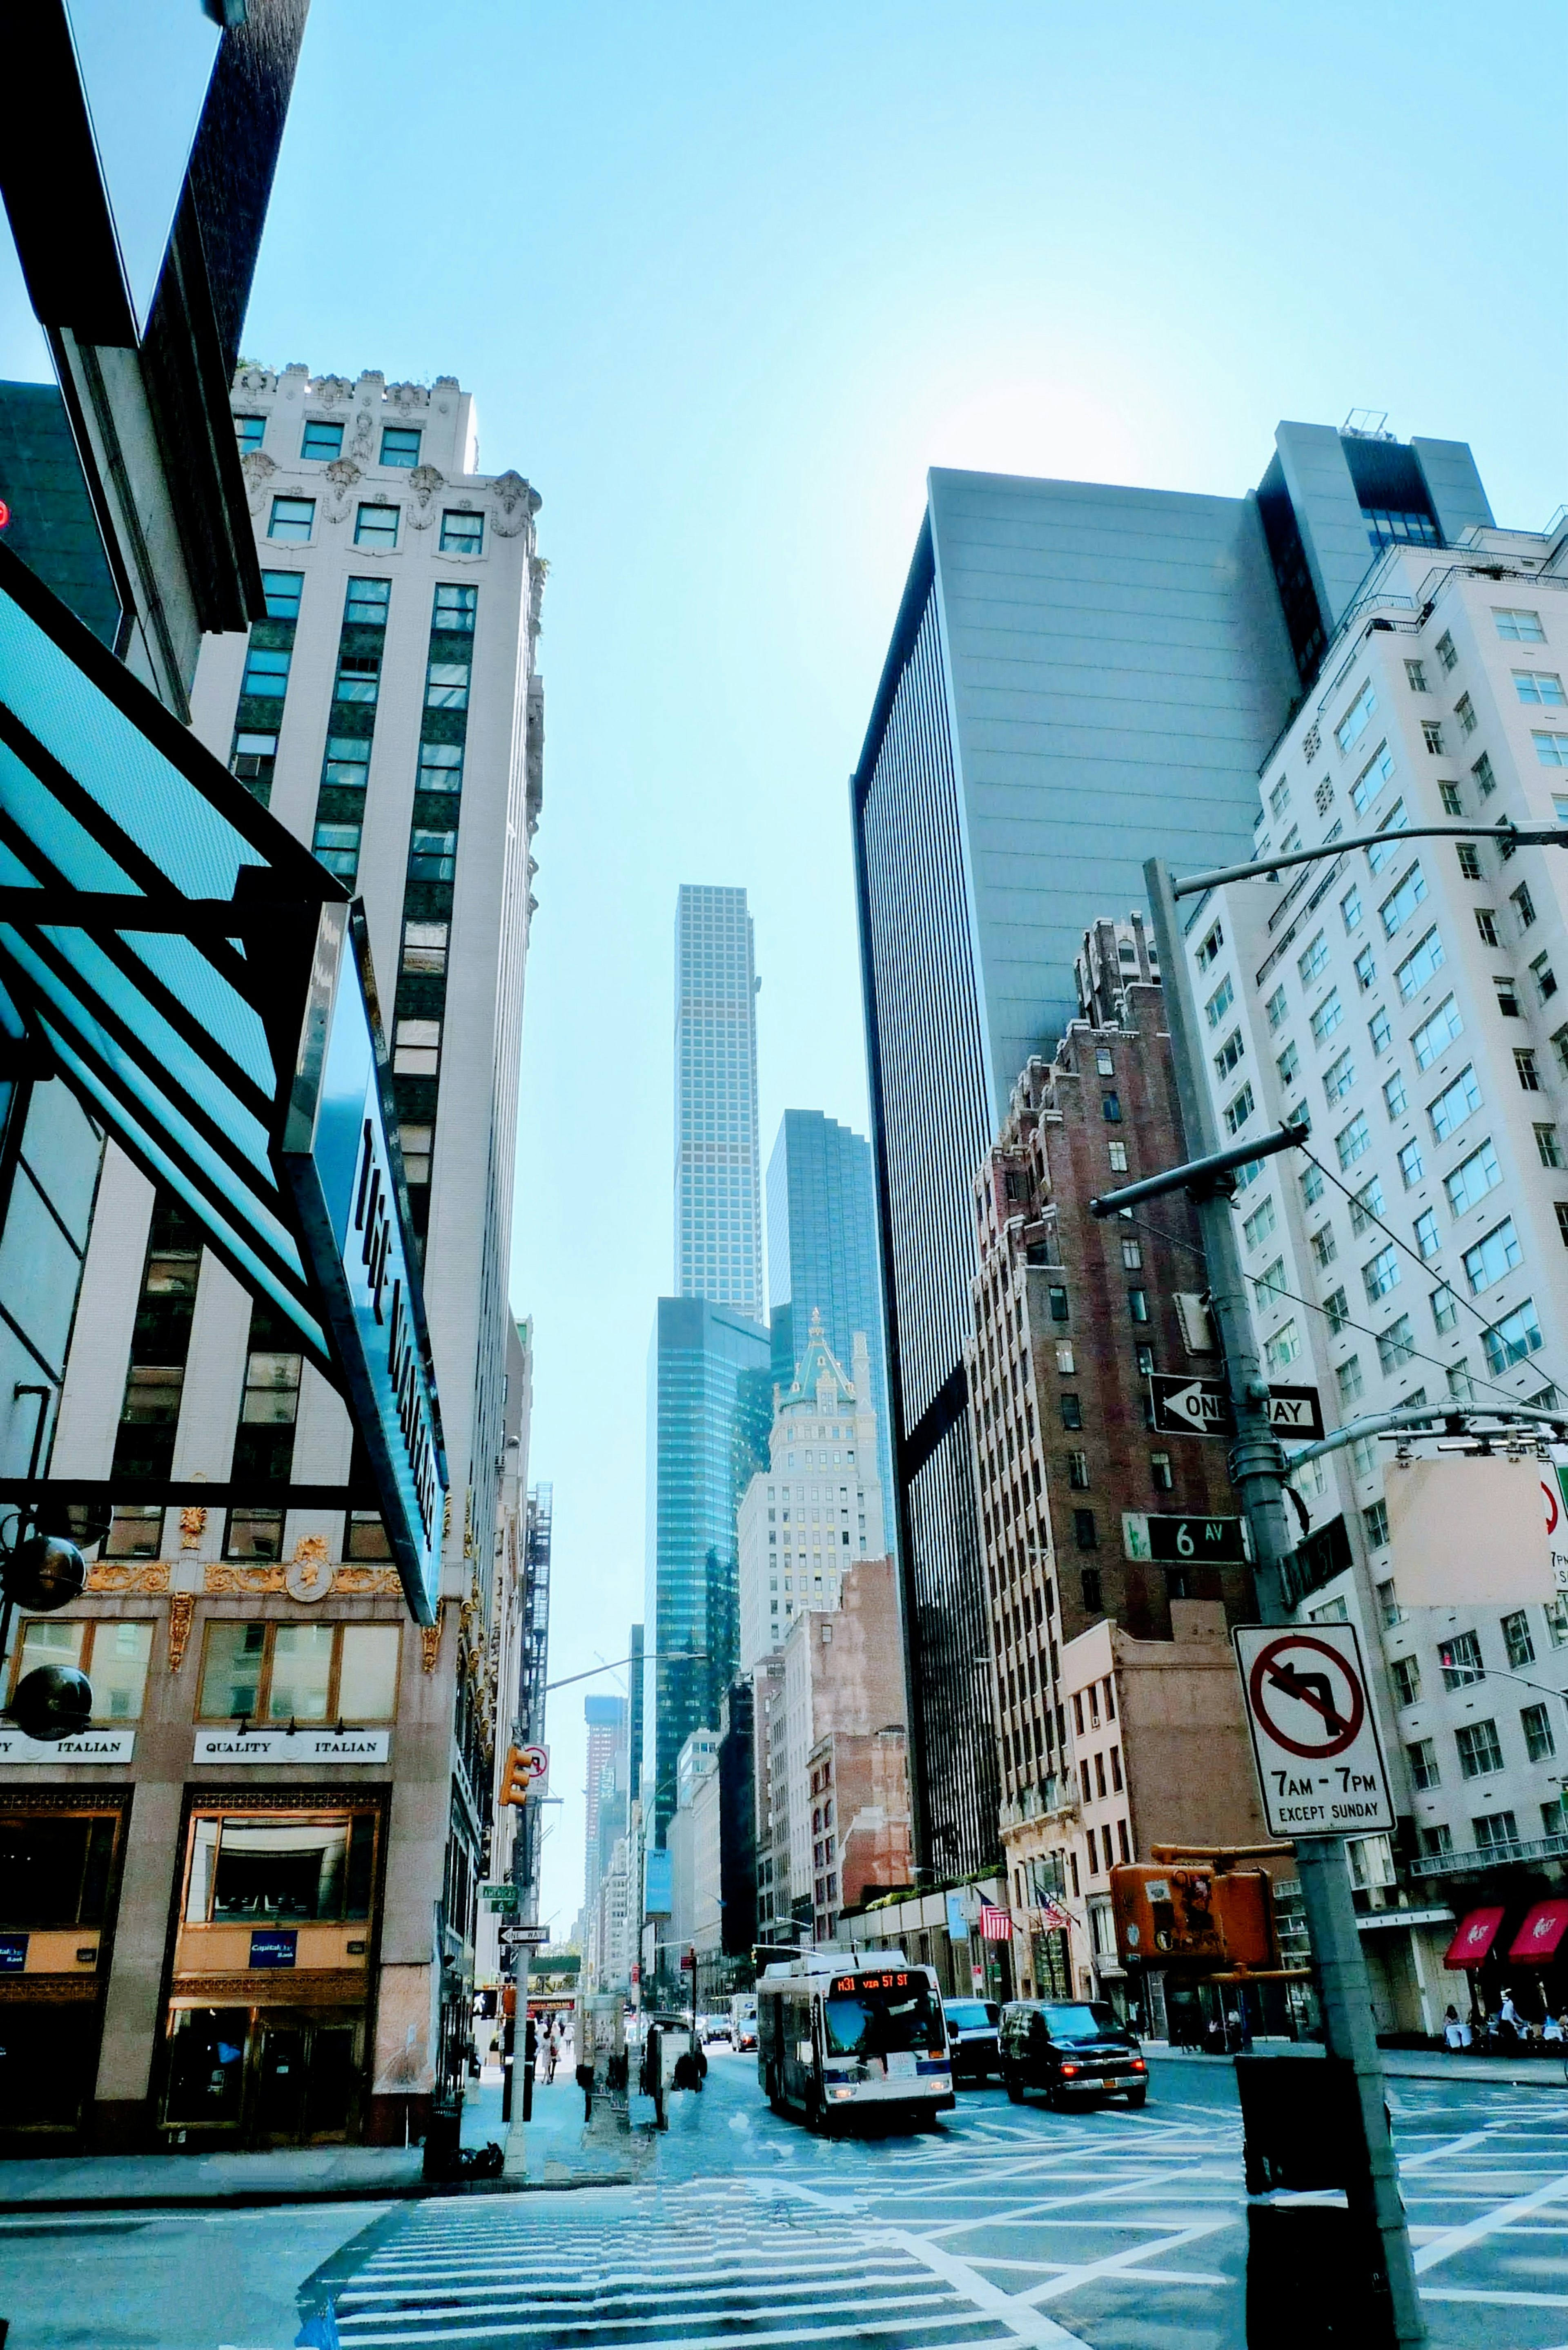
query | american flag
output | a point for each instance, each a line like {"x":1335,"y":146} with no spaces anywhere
{"x":1054,"y":1919}
{"x":995,"y":1925}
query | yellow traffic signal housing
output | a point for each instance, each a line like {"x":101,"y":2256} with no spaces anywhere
{"x":515,"y":1777}
{"x":1189,"y":1913}
{"x":1167,"y":1913}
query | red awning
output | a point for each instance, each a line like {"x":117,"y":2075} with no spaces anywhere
{"x":1541,"y":1932}
{"x":1473,"y":1940}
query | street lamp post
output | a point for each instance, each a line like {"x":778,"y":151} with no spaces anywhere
{"x":1258,"y":1471}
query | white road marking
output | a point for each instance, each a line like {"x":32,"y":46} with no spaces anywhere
{"x":1024,"y":2325}
{"x":1457,"y":2239}
{"x":1088,"y":2271}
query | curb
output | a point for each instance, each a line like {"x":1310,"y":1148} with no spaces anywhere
{"x":271,"y":2198}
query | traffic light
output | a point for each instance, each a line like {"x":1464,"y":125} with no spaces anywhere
{"x":1190,"y":1913}
{"x":515,"y":1778}
{"x":1244,"y":1904}
{"x":1167,"y":1913}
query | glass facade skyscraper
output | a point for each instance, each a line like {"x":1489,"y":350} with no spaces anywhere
{"x":822,"y":1255}
{"x":709,"y":1407}
{"x":1080,"y":677}
{"x":717,"y":1189}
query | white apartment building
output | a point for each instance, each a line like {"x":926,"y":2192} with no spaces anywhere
{"x":817,"y":1507}
{"x":614,"y":1928}
{"x":1408,"y":999}
{"x":387,"y":712}
{"x":694,"y":1914}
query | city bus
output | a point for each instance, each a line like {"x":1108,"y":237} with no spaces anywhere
{"x":844,"y":2033}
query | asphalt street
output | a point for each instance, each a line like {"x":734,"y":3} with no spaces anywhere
{"x":1002,"y":2225}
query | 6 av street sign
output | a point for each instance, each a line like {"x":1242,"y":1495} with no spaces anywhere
{"x":1185,"y":1406}
{"x":1181,"y":1541}
{"x":1315,"y":1741}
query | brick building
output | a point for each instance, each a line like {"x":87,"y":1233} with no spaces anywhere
{"x":1071,"y":1315}
{"x":842,"y":1678}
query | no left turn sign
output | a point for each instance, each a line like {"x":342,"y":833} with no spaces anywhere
{"x":1320,"y":1766}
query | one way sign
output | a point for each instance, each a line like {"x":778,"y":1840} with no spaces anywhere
{"x":1202,"y":1407}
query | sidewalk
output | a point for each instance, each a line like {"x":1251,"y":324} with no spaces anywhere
{"x":554,"y":2150}
{"x":1405,"y":2064}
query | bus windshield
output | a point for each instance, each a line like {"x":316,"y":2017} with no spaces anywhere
{"x":881,"y":2016}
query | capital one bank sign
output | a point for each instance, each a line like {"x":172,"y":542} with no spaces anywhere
{"x":343,"y":1163}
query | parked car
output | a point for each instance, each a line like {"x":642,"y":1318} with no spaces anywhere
{"x":973,"y":2038}
{"x":1070,"y":2049}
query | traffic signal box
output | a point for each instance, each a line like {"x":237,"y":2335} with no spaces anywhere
{"x":515,"y":1777}
{"x":1189,"y":1913}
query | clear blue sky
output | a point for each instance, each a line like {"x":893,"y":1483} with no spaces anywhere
{"x":725,"y":280}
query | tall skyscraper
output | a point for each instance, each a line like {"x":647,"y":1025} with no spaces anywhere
{"x":709,"y":1406}
{"x":822,"y":1255}
{"x":607,"y":1728}
{"x":1080,"y":677}
{"x":718,"y":1190}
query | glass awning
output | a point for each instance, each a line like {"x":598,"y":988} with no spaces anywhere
{"x":206,"y":987}
{"x":156,"y":927}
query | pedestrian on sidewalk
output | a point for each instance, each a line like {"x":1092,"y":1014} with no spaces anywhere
{"x":1455,"y":2031}
{"x":586,"y":2082}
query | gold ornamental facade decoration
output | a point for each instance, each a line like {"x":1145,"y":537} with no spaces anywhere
{"x":227,"y":1581}
{"x":429,"y":1641}
{"x":143,"y":1577}
{"x":181,"y":1616}
{"x":192,"y":1526}
{"x":367,"y":1583}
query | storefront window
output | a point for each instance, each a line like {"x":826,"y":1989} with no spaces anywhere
{"x":300,"y":1672}
{"x":367,"y":1674}
{"x":55,"y":1868}
{"x":231,"y":1671}
{"x":206,"y":2064}
{"x":260,"y":1869}
{"x":114,"y":1656}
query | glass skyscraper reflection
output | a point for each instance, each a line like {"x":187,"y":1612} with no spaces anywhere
{"x":822,"y":1253}
{"x":709,"y":1406}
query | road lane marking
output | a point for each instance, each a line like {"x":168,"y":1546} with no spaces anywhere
{"x":1089,"y":2270}
{"x":1457,"y":2239}
{"x":1023,"y":2324}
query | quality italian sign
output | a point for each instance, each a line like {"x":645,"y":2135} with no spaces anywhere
{"x":1315,"y":1741}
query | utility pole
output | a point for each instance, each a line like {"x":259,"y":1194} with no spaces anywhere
{"x":1258,"y":1471}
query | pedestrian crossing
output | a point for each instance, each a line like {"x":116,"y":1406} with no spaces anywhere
{"x":1101,"y":2230}
{"x":703,"y":2269}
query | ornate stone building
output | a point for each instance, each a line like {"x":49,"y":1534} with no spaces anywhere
{"x":281,"y":1810}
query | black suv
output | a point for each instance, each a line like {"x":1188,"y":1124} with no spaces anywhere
{"x":973,"y":2025}
{"x":1070,"y":2048}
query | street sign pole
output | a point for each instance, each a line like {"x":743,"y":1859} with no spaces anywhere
{"x":1258,"y":1472}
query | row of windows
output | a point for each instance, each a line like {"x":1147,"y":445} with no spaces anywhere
{"x":269,"y":1672}
{"x":1479,"y":1748}
{"x":322,"y":440}
{"x":376,"y":525}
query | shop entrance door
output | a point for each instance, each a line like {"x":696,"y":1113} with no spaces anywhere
{"x":307,"y":2078}
{"x":281,"y":2082}
{"x":329,"y":2079}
